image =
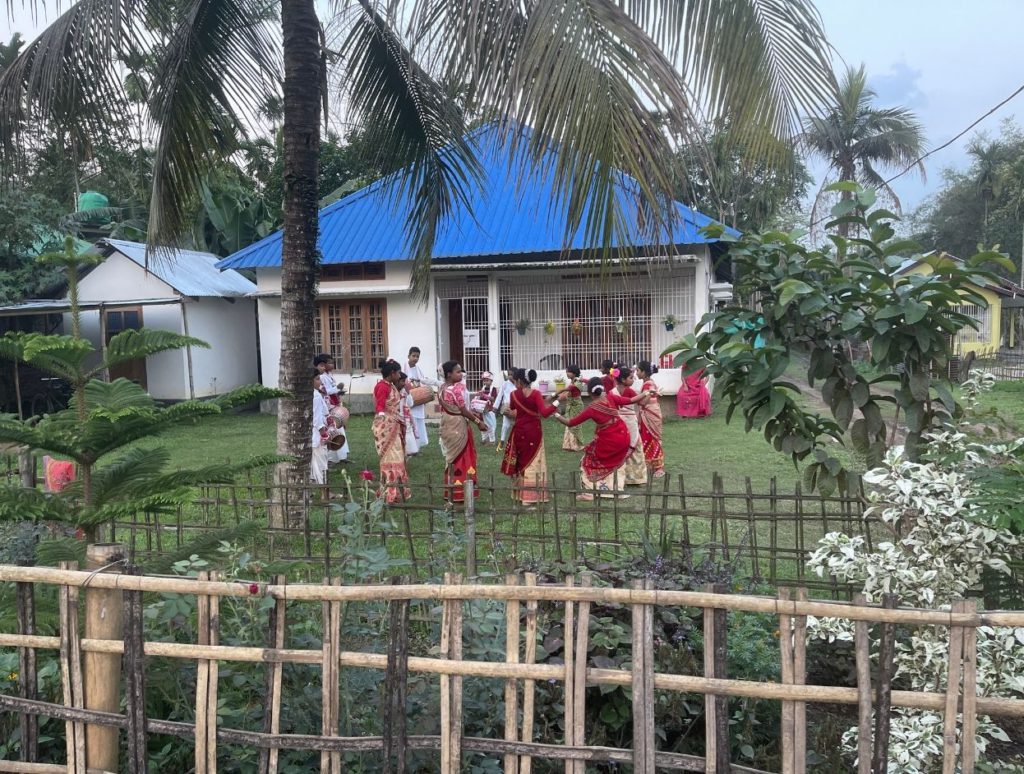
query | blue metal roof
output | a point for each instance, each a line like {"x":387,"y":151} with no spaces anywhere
{"x":512,"y":210}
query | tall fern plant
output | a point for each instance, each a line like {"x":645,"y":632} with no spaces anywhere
{"x":99,"y":430}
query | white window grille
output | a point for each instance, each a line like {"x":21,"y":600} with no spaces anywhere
{"x":464,"y":326}
{"x":983,"y":316}
{"x":581,"y":319}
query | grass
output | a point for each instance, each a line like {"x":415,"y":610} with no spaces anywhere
{"x":696,"y":448}
{"x":1007,"y":401}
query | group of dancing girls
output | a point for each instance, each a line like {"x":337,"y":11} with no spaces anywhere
{"x":626,"y":447}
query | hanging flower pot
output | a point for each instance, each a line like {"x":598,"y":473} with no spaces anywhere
{"x":620,"y":326}
{"x":522,"y":326}
{"x":670,"y":322}
{"x":549,"y":328}
{"x":576,"y":327}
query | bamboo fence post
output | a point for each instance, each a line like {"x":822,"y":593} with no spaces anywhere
{"x":208,"y":613}
{"x":395,"y":739}
{"x":451,"y":685}
{"x":511,"y":684}
{"x":27,"y":676}
{"x":643,"y":684}
{"x":969,"y":729}
{"x":71,"y":673}
{"x":330,"y":761}
{"x":953,"y":677}
{"x":800,"y":678}
{"x":568,"y":628}
{"x":716,"y":708}
{"x":469,"y":495}
{"x":788,"y":709}
{"x":862,"y":644}
{"x":102,"y":672}
{"x":135,"y":681}
{"x":883,"y":703}
{"x":529,"y":686}
{"x":579,"y":679}
{"x":272,"y":715}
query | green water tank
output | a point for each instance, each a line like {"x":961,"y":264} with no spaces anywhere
{"x":93,"y":200}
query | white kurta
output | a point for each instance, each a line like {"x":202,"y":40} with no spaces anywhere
{"x":318,"y":463}
{"x":331,"y":388}
{"x":419,"y":413}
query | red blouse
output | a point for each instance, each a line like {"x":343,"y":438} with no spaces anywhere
{"x":600,"y":412}
{"x":381,"y":390}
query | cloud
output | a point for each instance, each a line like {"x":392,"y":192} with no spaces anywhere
{"x":900,"y":86}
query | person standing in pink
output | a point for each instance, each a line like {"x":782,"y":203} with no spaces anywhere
{"x":693,"y":399}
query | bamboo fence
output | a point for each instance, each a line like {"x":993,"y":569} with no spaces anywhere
{"x":766,"y":535}
{"x":519,"y":748}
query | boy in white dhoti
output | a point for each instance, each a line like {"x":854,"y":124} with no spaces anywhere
{"x":318,"y":462}
{"x":324,"y":364}
{"x":418,"y":377}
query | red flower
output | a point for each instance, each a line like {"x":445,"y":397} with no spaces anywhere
{"x":367,"y":475}
{"x":79,"y":534}
{"x":254,"y":588}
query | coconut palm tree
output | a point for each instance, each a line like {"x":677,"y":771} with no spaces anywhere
{"x":989,"y":156}
{"x":860,"y":141}
{"x":587,"y":75}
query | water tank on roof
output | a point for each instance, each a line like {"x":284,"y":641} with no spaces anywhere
{"x":93,"y":200}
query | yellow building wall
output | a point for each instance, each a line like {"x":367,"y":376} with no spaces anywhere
{"x":990,"y":343}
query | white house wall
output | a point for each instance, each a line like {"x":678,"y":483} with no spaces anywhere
{"x":121,"y":279}
{"x":229,"y":327}
{"x":409,"y":323}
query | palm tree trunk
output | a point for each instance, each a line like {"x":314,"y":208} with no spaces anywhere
{"x":301,"y":37}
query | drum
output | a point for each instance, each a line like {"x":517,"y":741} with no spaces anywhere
{"x":479,"y":405}
{"x":340,"y":414}
{"x":421,"y":395}
{"x":336,"y":441}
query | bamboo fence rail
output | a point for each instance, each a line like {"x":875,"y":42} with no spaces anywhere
{"x":518,"y":748}
{"x":766,"y":535}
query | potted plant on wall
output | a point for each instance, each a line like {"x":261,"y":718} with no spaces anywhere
{"x":670,"y":322}
{"x":576,"y":327}
{"x":549,"y":328}
{"x":522,"y":326}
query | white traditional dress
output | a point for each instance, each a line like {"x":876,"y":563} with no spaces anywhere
{"x":318,"y":462}
{"x":418,"y":376}
{"x":334,"y":396}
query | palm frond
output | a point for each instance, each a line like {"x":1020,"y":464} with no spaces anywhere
{"x":138,"y":343}
{"x":67,"y":77}
{"x":413,"y":122}
{"x":215,"y":70}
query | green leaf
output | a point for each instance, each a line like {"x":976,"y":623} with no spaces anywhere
{"x":914,"y":312}
{"x":919,"y":384}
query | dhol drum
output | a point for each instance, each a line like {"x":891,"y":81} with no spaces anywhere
{"x":336,"y":441}
{"x":479,"y":405}
{"x":340,"y":414}
{"x":421,"y":395}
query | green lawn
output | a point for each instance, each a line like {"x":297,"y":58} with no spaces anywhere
{"x":1007,"y":400}
{"x":696,"y":448}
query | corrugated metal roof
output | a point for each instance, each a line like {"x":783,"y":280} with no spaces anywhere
{"x":513,"y":210}
{"x":189,"y":272}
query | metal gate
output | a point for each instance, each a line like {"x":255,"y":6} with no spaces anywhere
{"x":462,"y":310}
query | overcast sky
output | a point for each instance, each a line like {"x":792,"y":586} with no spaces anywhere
{"x":948,"y":60}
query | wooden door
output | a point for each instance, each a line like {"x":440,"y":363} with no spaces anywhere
{"x":116,"y":321}
{"x":455,"y":349}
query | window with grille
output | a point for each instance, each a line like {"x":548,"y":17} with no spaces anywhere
{"x":983,"y":316}
{"x":354,"y":333}
{"x":550,"y":322}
